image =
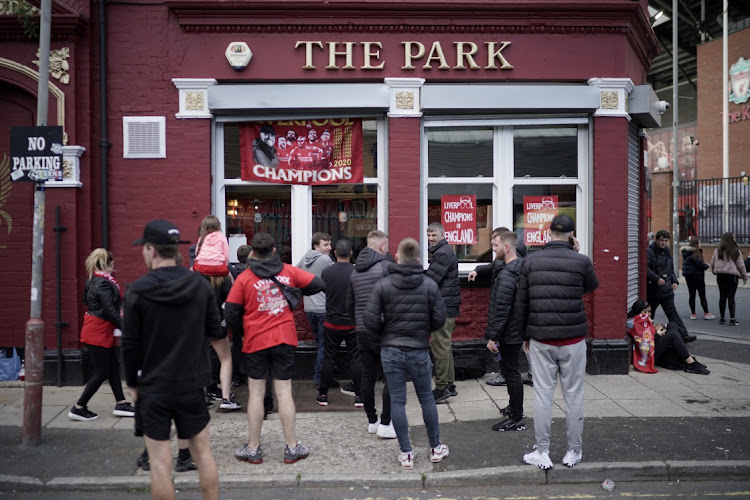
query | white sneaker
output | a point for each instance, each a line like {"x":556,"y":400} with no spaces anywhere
{"x":386,"y":431}
{"x":406,"y":460}
{"x":373,"y":428}
{"x":572,"y":457}
{"x":439,"y":453}
{"x":540,"y":459}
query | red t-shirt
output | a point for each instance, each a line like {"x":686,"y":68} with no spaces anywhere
{"x":268,"y":320}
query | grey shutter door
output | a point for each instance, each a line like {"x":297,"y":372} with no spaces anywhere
{"x":634,"y":157}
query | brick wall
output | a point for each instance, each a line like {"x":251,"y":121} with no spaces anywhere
{"x":403,"y":180}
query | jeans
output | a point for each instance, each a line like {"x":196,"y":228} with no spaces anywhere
{"x":696,"y":285}
{"x":397,"y":365}
{"x":106,"y":367}
{"x":333,"y":340}
{"x":316,"y":323}
{"x":510,"y":367}
{"x":369,"y":357}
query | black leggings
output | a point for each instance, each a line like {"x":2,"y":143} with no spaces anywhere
{"x":696,"y":285}
{"x":106,"y":367}
{"x":672,"y":340}
{"x":727,"y":288}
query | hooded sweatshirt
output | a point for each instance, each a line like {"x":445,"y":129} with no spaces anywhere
{"x":170,"y":314}
{"x":314,"y":262}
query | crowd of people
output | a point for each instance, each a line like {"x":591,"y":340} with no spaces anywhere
{"x":188,"y":335}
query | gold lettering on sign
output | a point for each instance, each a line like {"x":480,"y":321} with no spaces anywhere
{"x":348,"y":53}
{"x":437,"y":53}
{"x":409,"y":54}
{"x":369,"y":54}
{"x":462,"y":54}
{"x":493,"y":54}
{"x":610,"y":99}
{"x":194,"y":101}
{"x":308,"y":53}
{"x":404,"y":100}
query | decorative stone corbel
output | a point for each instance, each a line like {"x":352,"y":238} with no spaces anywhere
{"x":405,"y":100}
{"x":193,"y":97}
{"x":71,"y":168}
{"x":614,"y":96}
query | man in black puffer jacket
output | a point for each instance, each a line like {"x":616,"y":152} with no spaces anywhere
{"x":404,"y":308}
{"x":662,"y":282}
{"x":502,"y":328}
{"x":444,"y":271}
{"x":368,"y":270}
{"x":552,"y":322}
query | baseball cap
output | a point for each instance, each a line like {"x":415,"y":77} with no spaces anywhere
{"x":563,"y":224}
{"x":160,"y":232}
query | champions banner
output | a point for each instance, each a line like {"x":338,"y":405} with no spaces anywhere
{"x":302,"y":151}
{"x":538,"y":212}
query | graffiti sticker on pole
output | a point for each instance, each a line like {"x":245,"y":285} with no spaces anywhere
{"x":538,"y":212}
{"x":36,"y":154}
{"x":459,"y":217}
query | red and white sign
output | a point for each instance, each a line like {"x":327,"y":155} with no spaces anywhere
{"x":459,"y":218}
{"x":302,"y":151}
{"x":538,"y":212}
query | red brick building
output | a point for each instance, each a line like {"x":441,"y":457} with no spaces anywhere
{"x":499,"y":100}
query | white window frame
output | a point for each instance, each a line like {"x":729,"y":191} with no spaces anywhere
{"x":301,"y":195}
{"x":503,"y":169}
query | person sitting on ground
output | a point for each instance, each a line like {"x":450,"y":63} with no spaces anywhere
{"x":668,"y":343}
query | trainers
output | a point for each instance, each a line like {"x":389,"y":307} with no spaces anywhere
{"x":143,"y":462}
{"x":572,"y":457}
{"x":253,"y":456}
{"x":496,"y":380}
{"x":358,"y":402}
{"x":322,"y":399}
{"x":696,"y":367}
{"x":185,"y":465}
{"x":452,"y":390}
{"x":406,"y":460}
{"x":209,"y":403}
{"x":124,"y":410}
{"x":539,"y":459}
{"x":386,"y":431}
{"x":214,"y":393}
{"x":292,"y":455}
{"x":709,"y":316}
{"x":692,"y":316}
{"x":373,"y":427}
{"x":348,"y":389}
{"x":734,"y":322}
{"x":441,"y":395}
{"x":722,"y":321}
{"x":505,"y":412}
{"x":527,"y":379}
{"x":510,"y":424}
{"x":438,"y":453}
{"x":230,"y":404}
{"x":689,"y":338}
{"x":82,"y":414}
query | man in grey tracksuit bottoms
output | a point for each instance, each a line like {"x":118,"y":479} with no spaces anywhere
{"x":552,"y":322}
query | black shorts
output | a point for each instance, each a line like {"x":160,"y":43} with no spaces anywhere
{"x":276,"y":362}
{"x":154,"y":414}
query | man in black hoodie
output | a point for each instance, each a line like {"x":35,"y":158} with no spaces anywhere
{"x":170,"y":315}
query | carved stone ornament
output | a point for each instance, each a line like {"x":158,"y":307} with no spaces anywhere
{"x":10,"y":7}
{"x":610,"y":99}
{"x":404,"y":100}
{"x":58,"y":64}
{"x":67,"y":168}
{"x":194,"y":101}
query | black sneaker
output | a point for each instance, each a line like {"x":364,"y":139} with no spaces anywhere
{"x":322,"y":399}
{"x":214,"y":393}
{"x":143,"y":462}
{"x":441,"y":395}
{"x":83,"y":414}
{"x":348,"y":389}
{"x":124,"y":410}
{"x":185,"y":465}
{"x":452,"y":390}
{"x":497,"y":380}
{"x":689,"y":338}
{"x":209,"y":403}
{"x":527,"y":379}
{"x":358,"y":403}
{"x":505,"y":412}
{"x":230,"y":404}
{"x":696,"y":367}
{"x":509,"y":424}
{"x":734,"y":322}
{"x":722,"y":321}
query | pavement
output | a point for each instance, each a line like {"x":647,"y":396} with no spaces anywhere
{"x":667,"y":426}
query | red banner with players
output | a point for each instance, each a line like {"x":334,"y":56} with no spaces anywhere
{"x":538,"y":212}
{"x":459,"y":218}
{"x":302,"y":151}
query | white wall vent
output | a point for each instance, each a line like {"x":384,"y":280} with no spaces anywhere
{"x":144,"y":137}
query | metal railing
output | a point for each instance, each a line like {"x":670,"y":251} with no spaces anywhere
{"x":701,"y":207}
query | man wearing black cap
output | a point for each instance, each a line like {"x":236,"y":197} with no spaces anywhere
{"x":170,"y":314}
{"x":264,"y":152}
{"x":552,"y":322}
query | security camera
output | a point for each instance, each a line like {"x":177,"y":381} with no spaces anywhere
{"x":662,"y":106}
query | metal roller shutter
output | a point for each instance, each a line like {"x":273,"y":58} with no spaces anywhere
{"x":634,"y":156}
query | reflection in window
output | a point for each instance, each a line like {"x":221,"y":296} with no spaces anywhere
{"x":480,"y":251}
{"x":566,"y":204}
{"x":459,"y":152}
{"x":254,"y":209}
{"x":345,"y":211}
{"x":545,"y":152}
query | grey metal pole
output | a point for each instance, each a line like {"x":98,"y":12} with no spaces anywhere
{"x":34,"y":352}
{"x":676,"y":154}
{"x":725,"y":114}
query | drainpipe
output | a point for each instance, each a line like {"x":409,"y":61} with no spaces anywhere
{"x":104,"y":143}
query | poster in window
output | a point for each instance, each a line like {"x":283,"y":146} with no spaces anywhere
{"x":313,"y":152}
{"x":538,"y":212}
{"x":459,"y":218}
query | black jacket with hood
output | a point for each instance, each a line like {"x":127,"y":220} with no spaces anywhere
{"x":660,"y":265}
{"x":404,"y":308}
{"x":444,"y":271}
{"x":502,"y":324}
{"x":693,"y":265}
{"x":368,"y":270}
{"x":170,"y":315}
{"x":102,"y":298}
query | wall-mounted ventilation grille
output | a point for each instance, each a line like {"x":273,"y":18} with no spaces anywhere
{"x":144,"y":137}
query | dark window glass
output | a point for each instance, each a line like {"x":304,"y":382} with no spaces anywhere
{"x":459,"y":152}
{"x":545,"y":152}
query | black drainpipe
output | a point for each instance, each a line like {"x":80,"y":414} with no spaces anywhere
{"x":104,"y":143}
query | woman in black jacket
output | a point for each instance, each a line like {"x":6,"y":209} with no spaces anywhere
{"x":694,"y":268}
{"x":101,"y":327}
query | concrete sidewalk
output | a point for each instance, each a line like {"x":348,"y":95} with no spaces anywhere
{"x":663,"y":426}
